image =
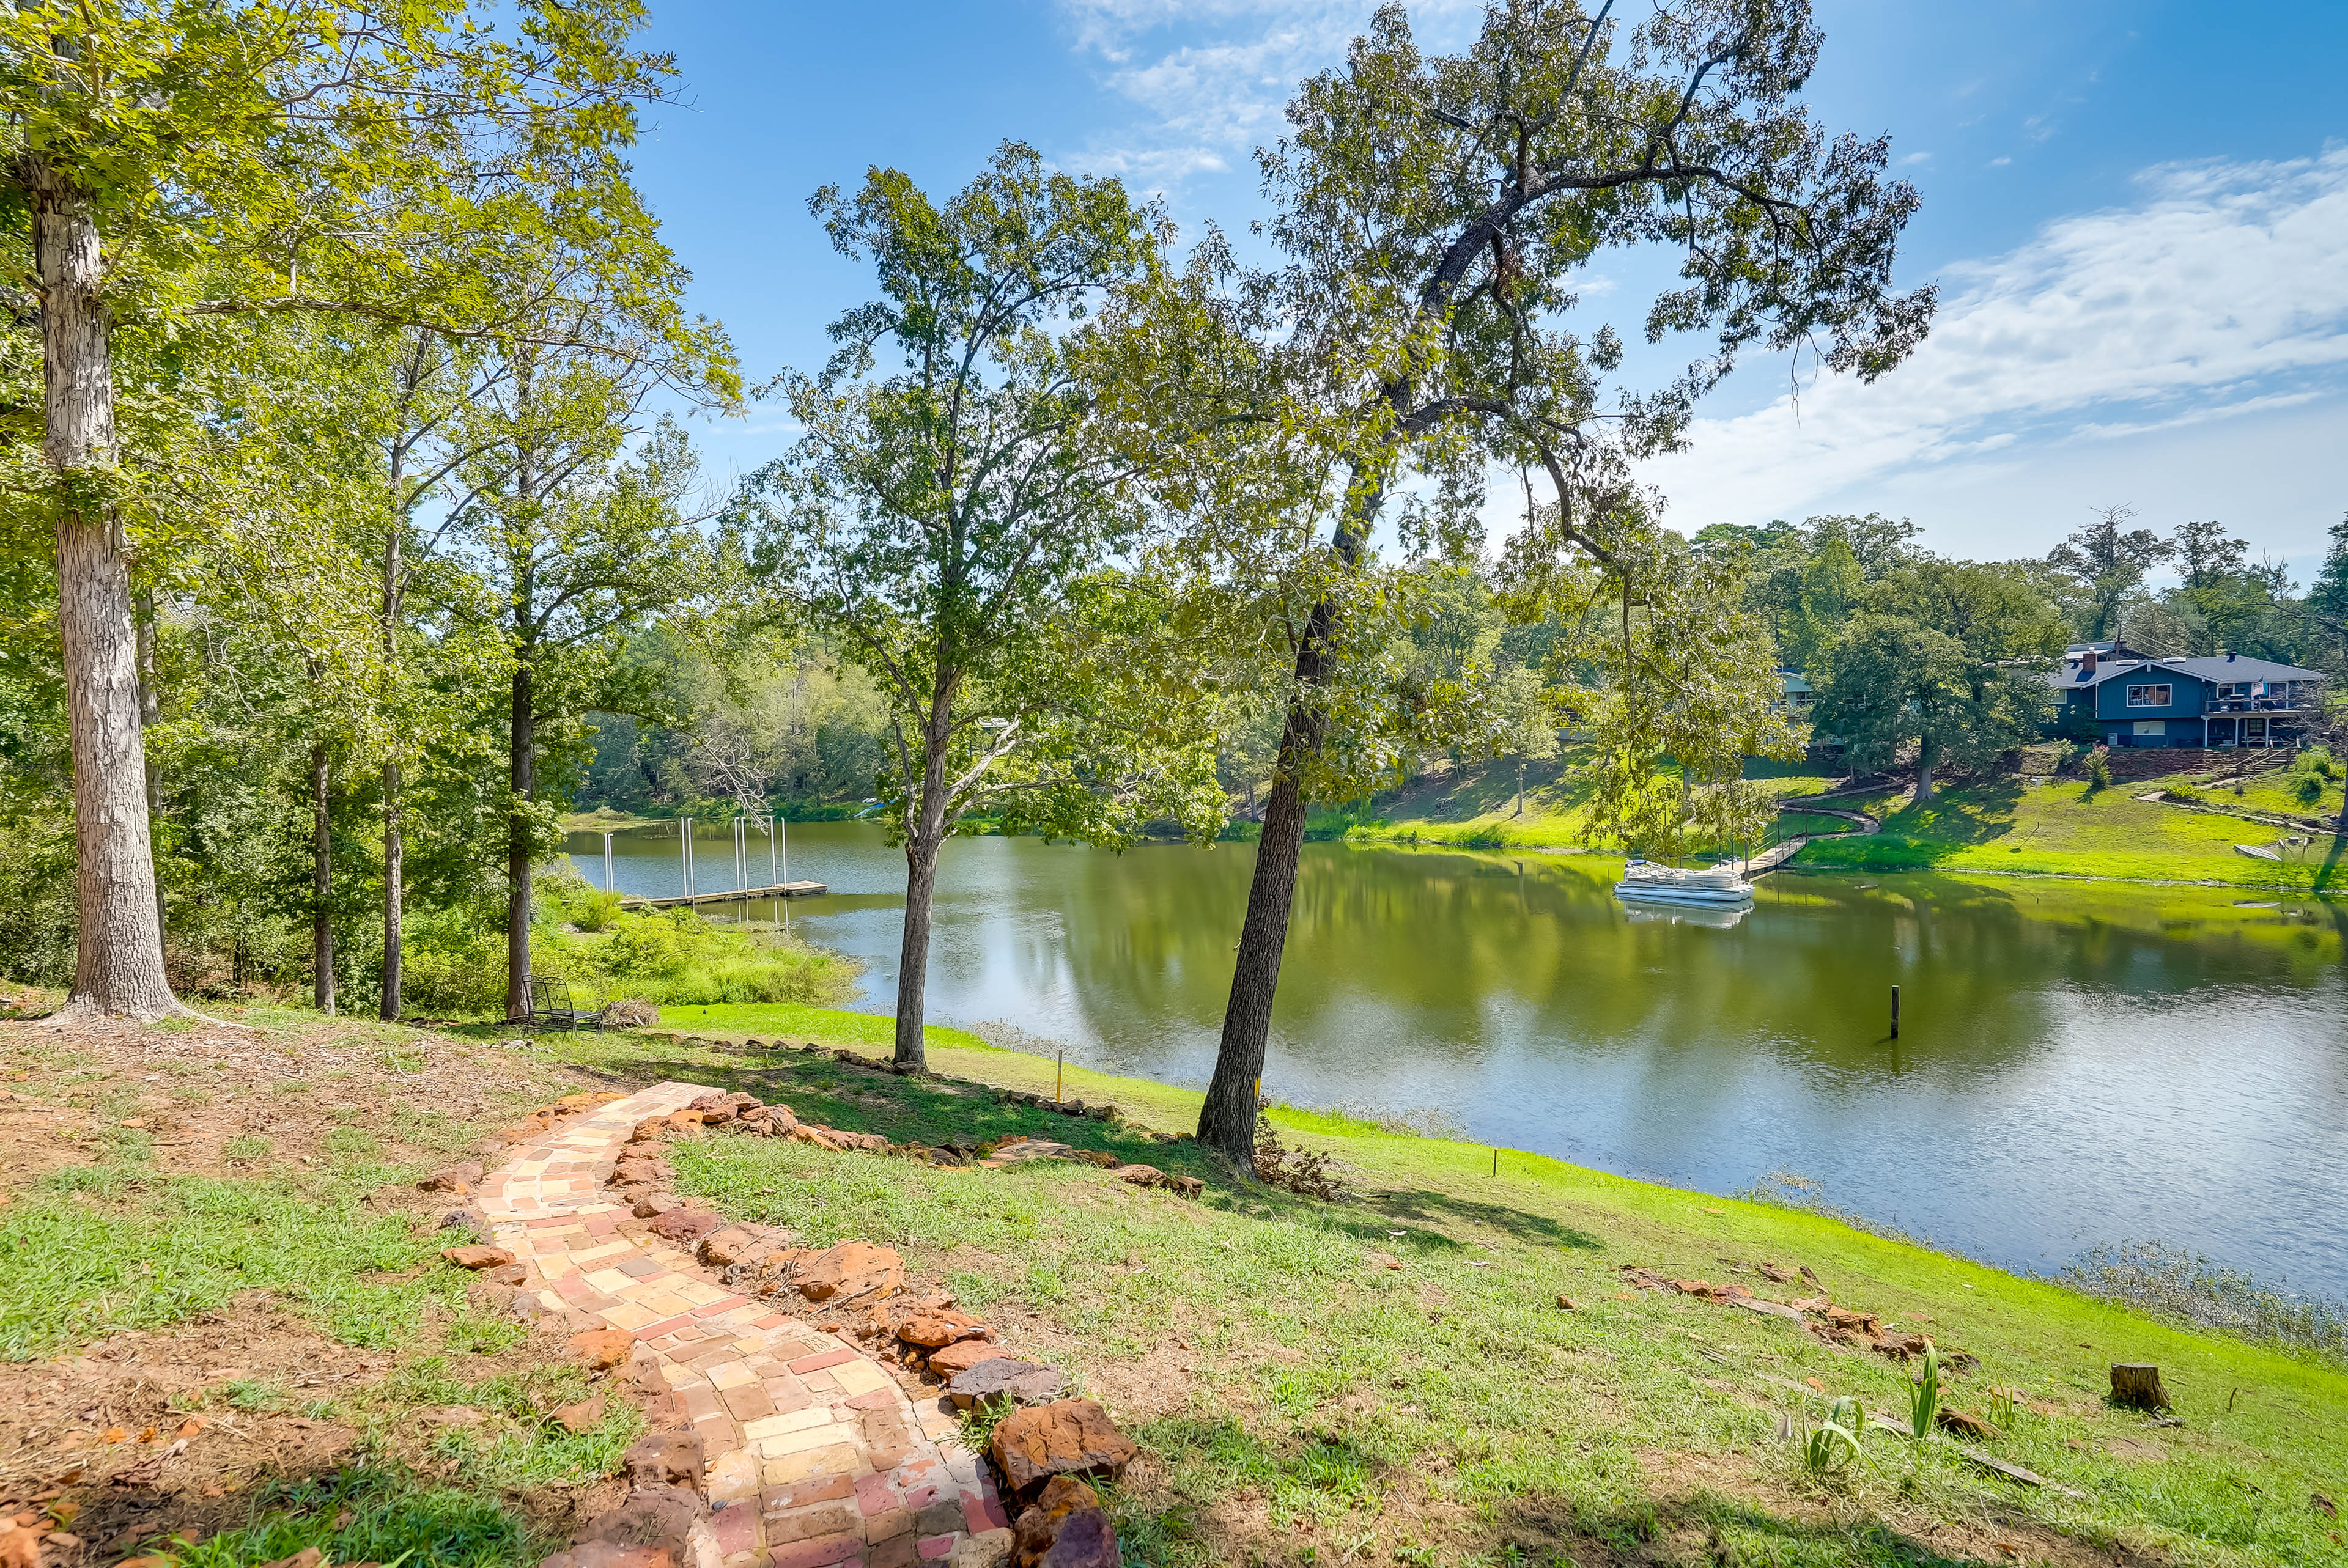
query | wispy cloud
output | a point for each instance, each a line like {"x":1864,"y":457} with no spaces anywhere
{"x":2218,"y":294}
{"x":1211,"y":78}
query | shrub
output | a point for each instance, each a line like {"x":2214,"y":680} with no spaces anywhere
{"x":2184,"y":794}
{"x":2099,"y":770}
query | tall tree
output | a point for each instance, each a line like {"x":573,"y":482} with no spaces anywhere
{"x":949,"y":521}
{"x":581,"y":542}
{"x":2105,"y":561}
{"x":1894,"y":683}
{"x":1434,"y":211}
{"x":1953,"y":660}
{"x":190,"y":158}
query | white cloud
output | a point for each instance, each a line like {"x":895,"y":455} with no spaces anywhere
{"x":1212,"y":76}
{"x":2218,"y":296}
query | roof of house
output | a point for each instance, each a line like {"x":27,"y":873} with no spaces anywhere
{"x":1794,"y":679}
{"x":2216,"y":667}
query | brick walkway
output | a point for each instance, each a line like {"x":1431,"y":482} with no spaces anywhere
{"x":815,"y":1456}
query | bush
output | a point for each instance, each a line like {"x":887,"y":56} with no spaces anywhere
{"x":452,"y":964}
{"x":675,"y":957}
{"x":2099,"y":770}
{"x":2184,"y":794}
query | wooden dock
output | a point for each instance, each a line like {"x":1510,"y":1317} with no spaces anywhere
{"x":740,"y":896}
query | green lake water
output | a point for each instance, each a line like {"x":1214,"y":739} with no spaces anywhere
{"x":2078,"y":1062}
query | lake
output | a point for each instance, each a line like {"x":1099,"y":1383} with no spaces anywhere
{"x":2078,"y":1062}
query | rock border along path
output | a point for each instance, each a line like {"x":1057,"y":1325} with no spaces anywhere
{"x":815,"y":1457}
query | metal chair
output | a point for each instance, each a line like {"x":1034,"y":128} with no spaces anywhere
{"x":552,"y":1007}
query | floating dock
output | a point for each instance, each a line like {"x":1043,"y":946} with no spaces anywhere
{"x":739,"y":896}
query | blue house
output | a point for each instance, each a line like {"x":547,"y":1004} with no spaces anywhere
{"x":2216,"y":700}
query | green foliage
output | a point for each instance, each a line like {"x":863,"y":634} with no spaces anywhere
{"x":950,"y":518}
{"x":372,"y":1514}
{"x":154,"y":1251}
{"x":1836,"y":1439}
{"x":676,"y":956}
{"x":1924,"y":1395}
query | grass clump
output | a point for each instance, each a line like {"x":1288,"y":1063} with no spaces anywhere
{"x":95,"y":1249}
{"x":369,"y":1514}
{"x":2185,"y":1286}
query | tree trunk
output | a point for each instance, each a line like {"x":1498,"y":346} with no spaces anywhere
{"x":394,"y":842}
{"x":923,"y":841}
{"x":1925,"y":758}
{"x":151,"y":714}
{"x":393,"y":846}
{"x":1227,"y":1120}
{"x":525,"y":763}
{"x":913,"y":955}
{"x":1520,"y":786}
{"x":321,"y":873}
{"x":118,"y":967}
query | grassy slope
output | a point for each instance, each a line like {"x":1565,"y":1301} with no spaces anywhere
{"x":1306,"y":1404}
{"x":1476,"y":805}
{"x":108,"y":1229}
{"x":2066,"y":827}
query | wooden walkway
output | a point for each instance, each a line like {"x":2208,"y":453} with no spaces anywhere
{"x":1776,"y":855}
{"x":743,"y":895}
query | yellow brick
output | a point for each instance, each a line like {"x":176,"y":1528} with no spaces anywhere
{"x":860,"y":1376}
{"x":788,"y":1421}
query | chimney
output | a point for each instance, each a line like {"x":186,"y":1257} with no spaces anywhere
{"x":2229,"y":658}
{"x":2086,"y":663}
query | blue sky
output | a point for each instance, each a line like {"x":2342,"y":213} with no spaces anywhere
{"x":2138,"y":214}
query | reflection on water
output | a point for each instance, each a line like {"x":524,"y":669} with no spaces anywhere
{"x":2077,"y":1061}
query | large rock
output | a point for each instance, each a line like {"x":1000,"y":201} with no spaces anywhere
{"x":1086,"y":1539}
{"x":851,"y":1269}
{"x":1066,"y":1529}
{"x":940,"y":1327}
{"x":1025,"y":1382}
{"x":660,"y":1517}
{"x":682,"y":1224}
{"x":958,"y":1358}
{"x":477,"y":1257}
{"x":456,"y":1179}
{"x":598,"y":1348}
{"x":730,"y":1245}
{"x":664,"y":1459}
{"x":1067,"y":1437}
{"x":987,"y":1549}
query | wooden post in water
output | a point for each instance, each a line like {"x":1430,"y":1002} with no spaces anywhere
{"x":1895,"y":1012}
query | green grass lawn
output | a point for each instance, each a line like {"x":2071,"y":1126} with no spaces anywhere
{"x":1475,"y":806}
{"x":1301,"y":1402}
{"x":304,"y":1254}
{"x":2070,"y":828}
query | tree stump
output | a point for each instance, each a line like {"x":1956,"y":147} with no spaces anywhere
{"x":2136,"y":1385}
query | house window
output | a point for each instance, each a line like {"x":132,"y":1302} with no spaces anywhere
{"x":2148,"y":696}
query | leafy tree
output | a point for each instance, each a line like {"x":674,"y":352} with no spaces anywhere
{"x":189,"y":161}
{"x":1894,"y":683}
{"x":2102,"y":563}
{"x":2327,"y":597}
{"x":1954,"y":661}
{"x":951,"y":523}
{"x":1433,"y":211}
{"x":579,"y":543}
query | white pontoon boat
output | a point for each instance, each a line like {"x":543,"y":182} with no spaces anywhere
{"x":1719,"y":886}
